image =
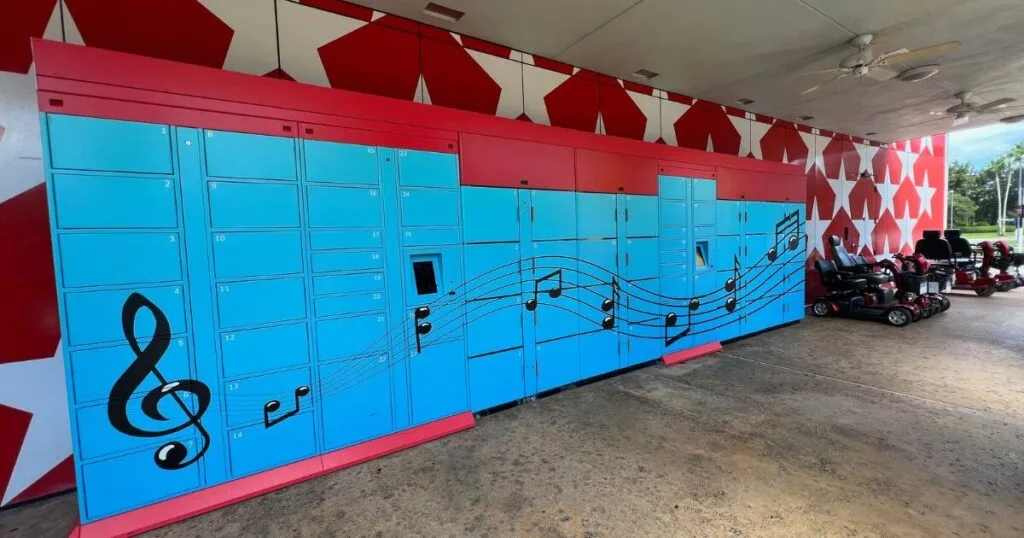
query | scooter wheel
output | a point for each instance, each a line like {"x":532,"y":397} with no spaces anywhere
{"x":899,"y":316}
{"x":945,"y":303}
{"x":926,"y":312}
{"x":985,"y":292}
{"x":1004,"y":286}
{"x":821,"y":308}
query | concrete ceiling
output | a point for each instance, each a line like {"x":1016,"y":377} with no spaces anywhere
{"x":723,"y":50}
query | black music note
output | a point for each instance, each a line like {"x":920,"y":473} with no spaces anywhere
{"x":790,"y":224}
{"x":273,"y":405}
{"x":732,"y":284}
{"x":420,"y":329}
{"x":671,"y":319}
{"x":172,"y":455}
{"x":554,"y":293}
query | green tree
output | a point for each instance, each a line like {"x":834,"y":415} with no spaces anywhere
{"x":963,"y":209}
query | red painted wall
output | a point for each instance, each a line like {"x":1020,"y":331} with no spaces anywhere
{"x":333,"y":43}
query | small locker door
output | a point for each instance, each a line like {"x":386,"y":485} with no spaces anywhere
{"x":641,"y":215}
{"x":729,"y":217}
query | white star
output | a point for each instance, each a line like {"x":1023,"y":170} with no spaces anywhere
{"x":887,"y":191}
{"x":537,"y":84}
{"x":250,"y":50}
{"x":865,"y":227}
{"x":37,"y":387}
{"x":867,"y":156}
{"x":509,"y":76}
{"x":671,"y":111}
{"x":842,"y":199}
{"x":925,"y":192}
{"x":757,"y":131}
{"x":649,"y":105}
{"x":815,"y":230}
{"x":906,"y":226}
{"x":742,"y":126}
{"x":308,"y":30}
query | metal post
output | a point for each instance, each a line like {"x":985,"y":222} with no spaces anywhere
{"x":1019,"y":221}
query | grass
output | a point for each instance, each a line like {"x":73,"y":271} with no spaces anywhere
{"x":990,"y":236}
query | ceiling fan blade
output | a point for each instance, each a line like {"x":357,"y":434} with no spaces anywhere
{"x":995,"y":104}
{"x":823,"y":84}
{"x":913,"y":55}
{"x":891,"y":53}
{"x":881,"y":73}
{"x":823,"y":71}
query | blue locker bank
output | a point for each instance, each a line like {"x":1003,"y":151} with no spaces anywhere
{"x":236,"y":302}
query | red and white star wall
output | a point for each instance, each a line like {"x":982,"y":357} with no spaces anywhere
{"x":333,"y":43}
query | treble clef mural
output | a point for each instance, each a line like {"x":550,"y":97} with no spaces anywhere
{"x":174,"y":454}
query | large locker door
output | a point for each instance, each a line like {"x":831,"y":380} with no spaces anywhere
{"x":494,"y":312}
{"x":551,"y":287}
{"x":433,"y":316}
{"x":598,"y":267}
{"x":729,"y":217}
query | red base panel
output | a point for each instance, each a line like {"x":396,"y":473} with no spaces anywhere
{"x":180,"y":508}
{"x":693,"y":353}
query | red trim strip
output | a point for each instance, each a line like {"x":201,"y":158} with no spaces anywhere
{"x":680,"y":357}
{"x":209,"y":499}
{"x":686,"y":170}
{"x":331,"y":133}
{"x":74,"y":70}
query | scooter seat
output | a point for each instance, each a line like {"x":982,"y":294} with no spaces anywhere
{"x":850,"y":284}
{"x":875,"y":279}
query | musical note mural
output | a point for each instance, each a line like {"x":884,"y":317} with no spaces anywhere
{"x":237,"y":320}
{"x":173,"y":455}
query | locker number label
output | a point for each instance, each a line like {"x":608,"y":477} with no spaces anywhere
{"x":224,"y":288}
{"x":229,"y":338}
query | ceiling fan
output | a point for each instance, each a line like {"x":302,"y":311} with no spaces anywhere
{"x":969,"y":104}
{"x":865,"y":63}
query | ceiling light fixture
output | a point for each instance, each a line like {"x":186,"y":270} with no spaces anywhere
{"x":916,"y":74}
{"x":805,"y":118}
{"x":645,"y":74}
{"x":744,"y":101}
{"x":1013,"y":119}
{"x":442,"y":12}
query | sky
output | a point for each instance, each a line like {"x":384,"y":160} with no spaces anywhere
{"x":980,"y":145}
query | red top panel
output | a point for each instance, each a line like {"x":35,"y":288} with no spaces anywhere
{"x":89,"y":81}
{"x":348,"y":135}
{"x":736,"y":184}
{"x":504,"y":162}
{"x":669,"y":168}
{"x":598,"y":171}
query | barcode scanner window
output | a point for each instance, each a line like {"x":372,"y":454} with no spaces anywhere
{"x":426,"y":280}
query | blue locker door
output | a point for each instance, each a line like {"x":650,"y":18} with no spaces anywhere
{"x":673,"y":188}
{"x":677,"y":290}
{"x":756,"y":250}
{"x":642,"y":259}
{"x":552,"y":282}
{"x":558,"y":363}
{"x":491,"y":270}
{"x":761,"y":217}
{"x":727,"y":251}
{"x":553,"y":215}
{"x":729,"y":305}
{"x":496,"y":379}
{"x":596,"y":271}
{"x":729,"y":217}
{"x":438,"y":385}
{"x":596,"y":215}
{"x":599,"y":353}
{"x":703,"y":320}
{"x":641,"y":215}
{"x":794,"y":307}
{"x":490,"y":215}
{"x":763,"y":312}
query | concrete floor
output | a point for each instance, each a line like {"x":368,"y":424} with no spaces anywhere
{"x":827,"y":428}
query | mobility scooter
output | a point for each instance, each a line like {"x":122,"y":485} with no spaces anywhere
{"x":863,"y":294}
{"x":953,"y":256}
{"x":1012,"y":259}
{"x":911,"y":287}
{"x":998,"y":256}
{"x":917,"y":284}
